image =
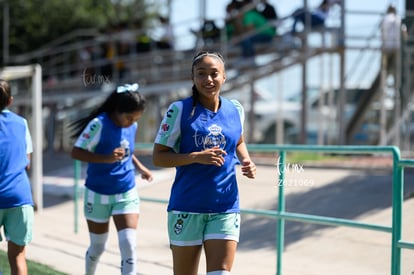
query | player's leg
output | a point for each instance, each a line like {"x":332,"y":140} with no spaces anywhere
{"x":18,"y":227}
{"x":97,"y":217}
{"x":17,"y":258}
{"x":98,"y":236}
{"x":126,"y":225}
{"x":186,"y":259}
{"x":186,"y":236}
{"x":220,"y":255}
{"x":220,"y":245}
{"x":126,"y":214}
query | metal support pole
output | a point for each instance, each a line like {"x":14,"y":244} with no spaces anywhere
{"x":341,"y":96}
{"x":321,"y":102}
{"x":202,"y":11}
{"x":280,"y":243}
{"x":37,"y":167}
{"x":397,"y":202}
{"x":76,"y":176}
{"x":331,"y":95}
{"x":305,"y":51}
{"x":382,"y":115}
{"x":251,"y":113}
{"x":408,"y":89}
{"x":397,"y":97}
{"x":280,"y":128}
{"x":6,"y":29}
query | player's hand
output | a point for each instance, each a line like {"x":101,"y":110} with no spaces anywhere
{"x":248,"y":169}
{"x":146,"y":175}
{"x":118,"y":154}
{"x":212,"y":156}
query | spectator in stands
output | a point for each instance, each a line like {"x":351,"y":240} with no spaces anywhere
{"x":166,"y":40}
{"x":124,"y":46}
{"x":115,"y":50}
{"x":142,"y":39}
{"x":108,"y":53}
{"x":209,"y":33}
{"x":317,"y":17}
{"x":256,"y":29}
{"x":85,"y":59}
{"x":267,"y":10}
{"x":233,"y":25}
{"x":393,"y":31}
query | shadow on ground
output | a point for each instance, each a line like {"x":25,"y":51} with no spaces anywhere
{"x":348,"y":198}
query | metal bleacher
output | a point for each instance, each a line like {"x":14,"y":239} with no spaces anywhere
{"x":157,"y":71}
{"x":70,"y":82}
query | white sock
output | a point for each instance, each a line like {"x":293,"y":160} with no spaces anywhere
{"x":94,"y":252}
{"x":127,"y":239}
{"x":219,"y":272}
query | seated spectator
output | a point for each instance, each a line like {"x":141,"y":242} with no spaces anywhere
{"x":166,"y":40}
{"x":143,"y":42}
{"x":256,"y":28}
{"x":267,"y":10}
{"x":317,"y":17}
{"x":233,"y":26}
{"x":209,"y":33}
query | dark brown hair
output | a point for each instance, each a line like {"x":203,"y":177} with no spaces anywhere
{"x":122,"y":100}
{"x":5,"y":94}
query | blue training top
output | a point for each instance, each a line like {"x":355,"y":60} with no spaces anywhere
{"x":15,"y":145}
{"x":102,"y":136}
{"x":201,"y":188}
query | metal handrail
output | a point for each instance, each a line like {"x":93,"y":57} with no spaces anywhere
{"x":403,"y":163}
{"x":397,"y":200}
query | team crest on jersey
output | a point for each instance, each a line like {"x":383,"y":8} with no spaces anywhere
{"x":125,"y":144}
{"x":214,"y":138}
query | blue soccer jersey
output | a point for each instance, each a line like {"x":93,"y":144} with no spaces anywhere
{"x":102,"y":136}
{"x":15,"y":145}
{"x":201,"y":188}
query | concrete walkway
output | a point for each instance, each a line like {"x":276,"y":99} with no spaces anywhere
{"x":310,"y":249}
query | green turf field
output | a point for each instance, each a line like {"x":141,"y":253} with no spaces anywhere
{"x":33,"y":267}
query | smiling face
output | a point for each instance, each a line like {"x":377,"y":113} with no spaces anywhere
{"x":208,"y":76}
